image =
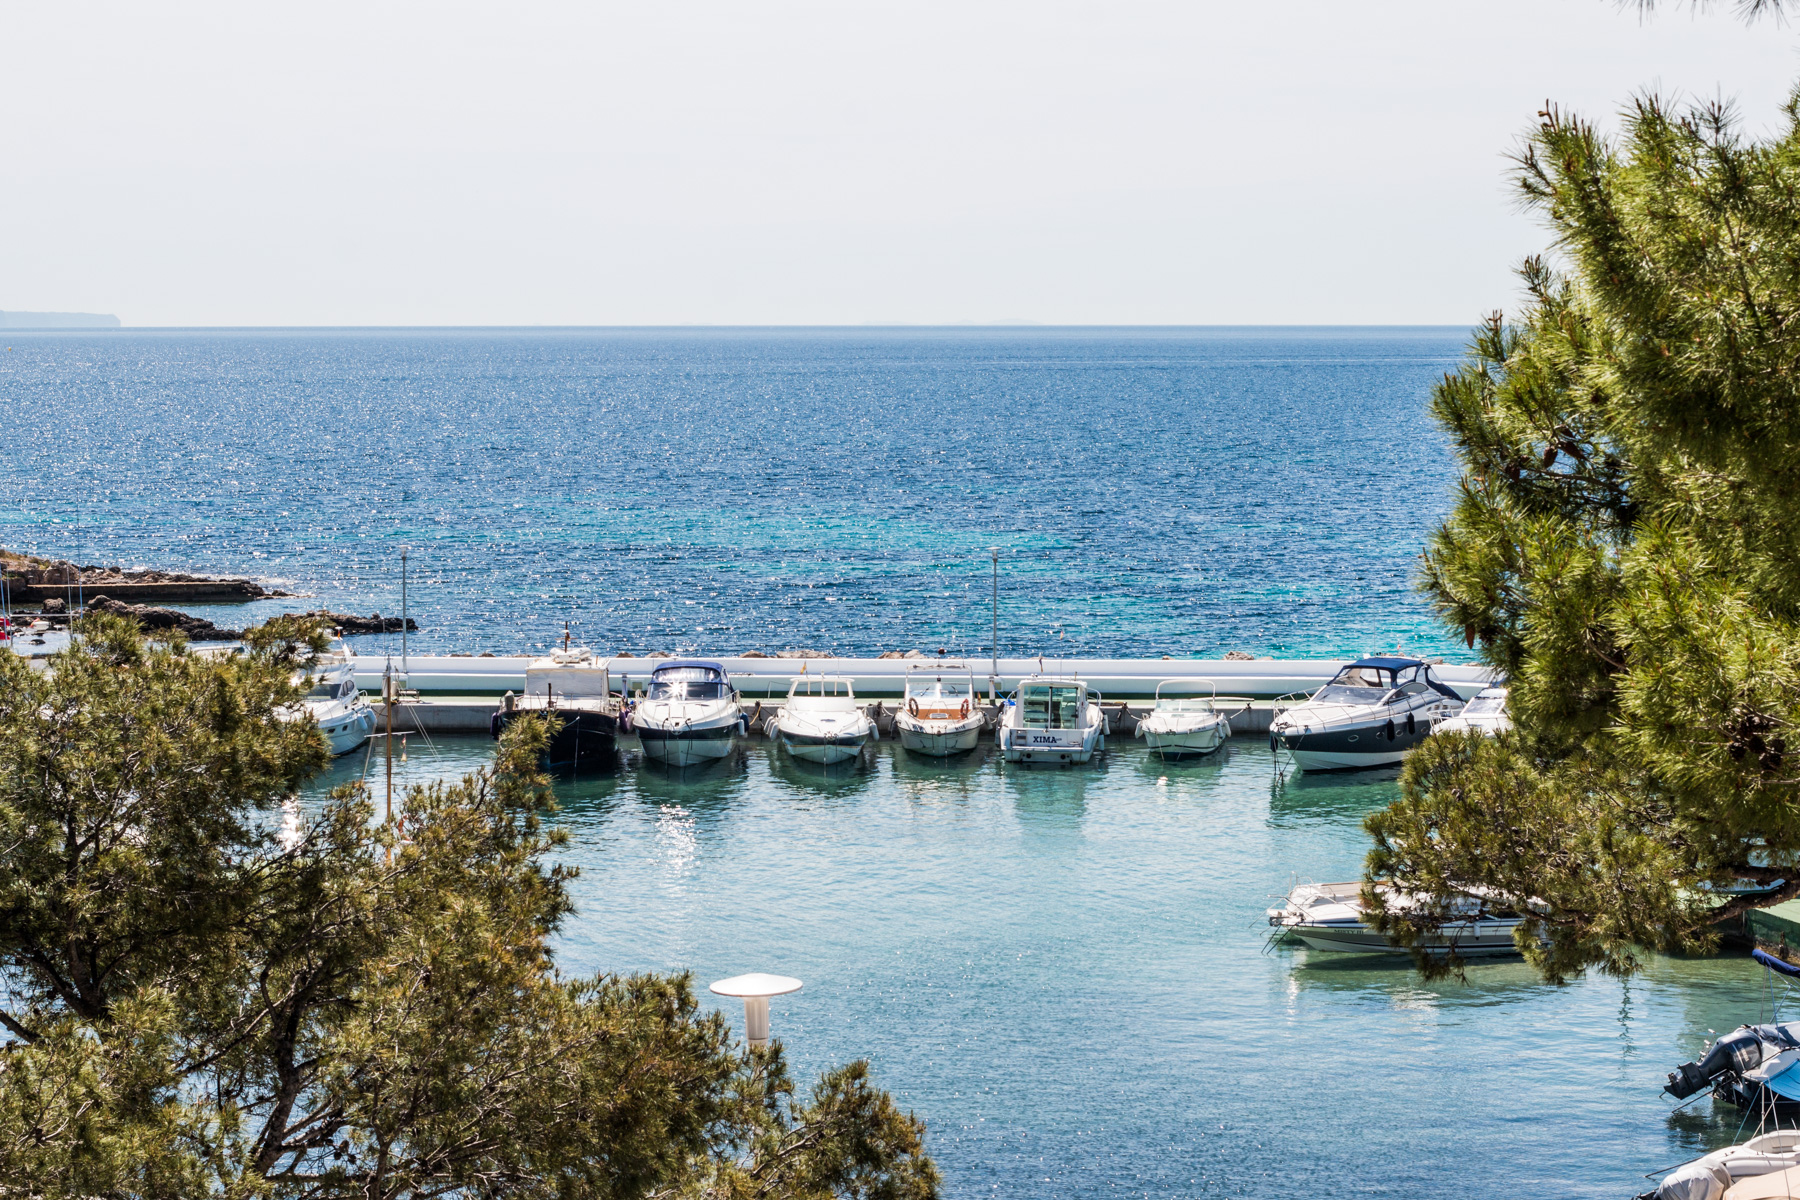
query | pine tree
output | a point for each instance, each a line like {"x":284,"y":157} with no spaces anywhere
{"x":197,"y":1007}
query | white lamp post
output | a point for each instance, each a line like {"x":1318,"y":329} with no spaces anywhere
{"x":755,"y":991}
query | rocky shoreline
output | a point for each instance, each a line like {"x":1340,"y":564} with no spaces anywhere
{"x":31,"y":579}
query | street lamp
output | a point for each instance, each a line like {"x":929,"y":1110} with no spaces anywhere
{"x":755,"y":991}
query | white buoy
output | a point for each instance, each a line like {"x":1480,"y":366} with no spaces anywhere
{"x":755,"y":991}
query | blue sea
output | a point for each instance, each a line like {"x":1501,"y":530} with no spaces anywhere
{"x":1155,"y":491}
{"x":1065,"y":974}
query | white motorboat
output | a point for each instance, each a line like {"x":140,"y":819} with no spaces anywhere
{"x":1190,"y":726}
{"x":1329,"y":916}
{"x":689,"y":714}
{"x":821,"y":722}
{"x":1767,"y":1167}
{"x":1052,"y":721}
{"x":573,"y":688}
{"x":1486,"y":713}
{"x":334,"y":701}
{"x":940,"y":716}
{"x":1371,"y":714}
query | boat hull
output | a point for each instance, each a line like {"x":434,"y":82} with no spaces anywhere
{"x":579,"y":738}
{"x":1031,"y":747}
{"x":1478,"y":939}
{"x":1350,"y":749}
{"x":685,"y":747}
{"x":822,"y":749}
{"x":1191,"y":743}
{"x":347,"y":731}
{"x":937,"y":743}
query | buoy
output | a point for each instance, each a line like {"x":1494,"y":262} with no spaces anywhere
{"x":755,"y":990}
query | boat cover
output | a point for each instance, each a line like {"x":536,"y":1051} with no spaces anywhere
{"x":1774,"y":964}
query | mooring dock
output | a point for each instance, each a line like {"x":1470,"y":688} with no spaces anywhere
{"x":459,"y":693}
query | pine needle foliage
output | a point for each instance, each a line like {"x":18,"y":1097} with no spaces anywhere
{"x":1625,"y":545}
{"x":197,"y":1004}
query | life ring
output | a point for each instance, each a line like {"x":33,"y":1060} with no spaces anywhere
{"x":912,"y":705}
{"x":965,"y":708}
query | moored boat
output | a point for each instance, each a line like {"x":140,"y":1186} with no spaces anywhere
{"x":689,"y":714}
{"x":334,"y":702}
{"x":821,"y":721}
{"x":1767,"y":1167}
{"x":1190,"y":726}
{"x":1051,"y":722}
{"x":1755,"y":1067}
{"x":1330,"y":916}
{"x":1371,"y":714}
{"x":572,"y":688}
{"x":939,"y":715}
{"x":1484,"y":713}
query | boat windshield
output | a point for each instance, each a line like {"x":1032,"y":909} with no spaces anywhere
{"x":1357,"y":685}
{"x":1184,"y":704}
{"x":953,"y":690}
{"x":1485,"y":706}
{"x":687,"y":683}
{"x":1052,"y":705}
{"x":326,"y":689}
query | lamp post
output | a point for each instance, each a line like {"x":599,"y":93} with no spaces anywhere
{"x":994,"y":644}
{"x":755,"y":990}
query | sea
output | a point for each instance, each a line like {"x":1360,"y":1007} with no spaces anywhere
{"x":1067,"y":974}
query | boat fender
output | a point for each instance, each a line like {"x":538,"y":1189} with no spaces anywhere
{"x":1390,"y":729}
{"x":1739,"y":1051}
{"x":1412,"y":726}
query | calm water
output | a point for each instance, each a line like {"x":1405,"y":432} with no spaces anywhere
{"x":1064,"y":972}
{"x":1153,"y":492}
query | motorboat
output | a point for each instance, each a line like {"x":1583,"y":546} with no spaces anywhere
{"x":572,"y":687}
{"x":689,"y":713}
{"x":1051,"y":721}
{"x":939,"y":716}
{"x":1329,"y":916}
{"x":1179,"y":727}
{"x":1371,"y":714}
{"x":1485,"y":713}
{"x":1767,"y":1167}
{"x":333,"y":700}
{"x":1756,"y":1067}
{"x":821,"y":722}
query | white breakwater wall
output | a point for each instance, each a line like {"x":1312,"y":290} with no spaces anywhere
{"x":1132,"y":679}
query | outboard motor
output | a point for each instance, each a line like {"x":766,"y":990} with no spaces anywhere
{"x":1739,"y":1051}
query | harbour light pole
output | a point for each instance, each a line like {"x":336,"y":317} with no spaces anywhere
{"x":994,"y":643}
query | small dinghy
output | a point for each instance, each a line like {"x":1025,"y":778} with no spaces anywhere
{"x":1767,"y":1167}
{"x":1371,"y":714}
{"x":939,"y":716}
{"x":1486,"y":713}
{"x":1329,"y":916}
{"x":334,"y":701}
{"x":821,"y":721}
{"x":690,"y":714}
{"x":1180,"y":727}
{"x":573,"y":688}
{"x":1755,"y":1067}
{"x":1051,"y":722}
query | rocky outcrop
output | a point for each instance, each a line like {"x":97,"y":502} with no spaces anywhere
{"x":350,"y":625}
{"x":31,"y":578}
{"x":158,"y":620}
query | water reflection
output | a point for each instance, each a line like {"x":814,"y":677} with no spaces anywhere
{"x":1308,"y":797}
{"x":835,"y":781}
{"x":961,"y":775}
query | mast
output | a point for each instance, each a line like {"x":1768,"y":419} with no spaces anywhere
{"x":405,"y":666}
{"x":387,"y":697}
{"x":994,"y":645}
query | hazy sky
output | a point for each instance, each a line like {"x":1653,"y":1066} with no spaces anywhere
{"x":1312,"y":161}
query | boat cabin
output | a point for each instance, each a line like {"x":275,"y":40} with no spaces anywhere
{"x":822,"y":692}
{"x":1371,"y":680}
{"x":934,"y":694}
{"x":689,"y":680}
{"x":1052,"y":704}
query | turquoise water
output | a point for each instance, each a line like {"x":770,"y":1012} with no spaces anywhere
{"x":1185,"y":492}
{"x":1065,"y":974}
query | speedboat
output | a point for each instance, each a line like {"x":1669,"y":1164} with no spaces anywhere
{"x":1371,"y":714}
{"x":334,"y":701}
{"x":1051,"y":721}
{"x":689,"y":714}
{"x":1181,"y":727}
{"x":1486,"y":713}
{"x":1329,"y":916}
{"x":820,"y":721}
{"x":573,"y":688}
{"x":940,"y":716}
{"x":1767,"y":1167}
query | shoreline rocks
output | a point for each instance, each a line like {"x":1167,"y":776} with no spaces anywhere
{"x":160,"y":619}
{"x":31,"y":578}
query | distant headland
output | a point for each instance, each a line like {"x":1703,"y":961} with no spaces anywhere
{"x":50,"y":320}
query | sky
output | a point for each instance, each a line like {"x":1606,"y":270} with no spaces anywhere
{"x":701,"y":162}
